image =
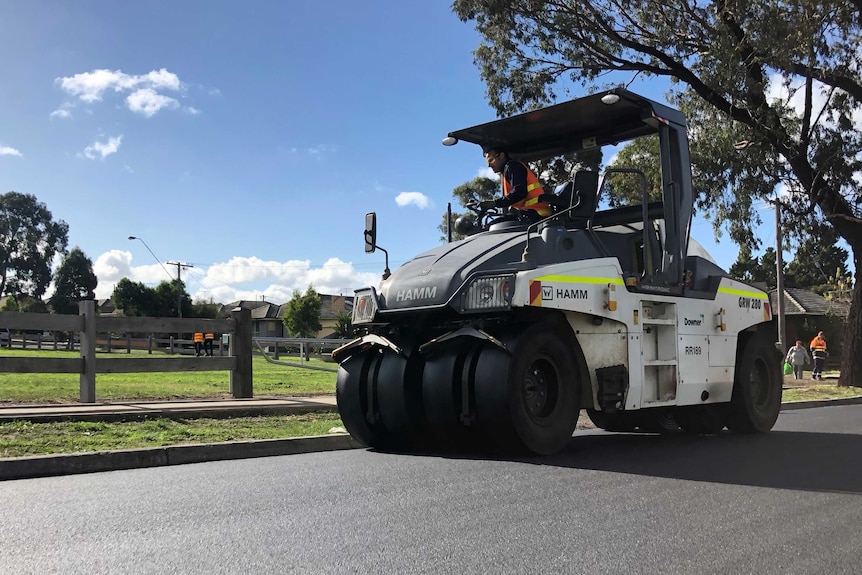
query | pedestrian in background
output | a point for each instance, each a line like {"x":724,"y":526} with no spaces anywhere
{"x":208,"y":344}
{"x":797,"y":357}
{"x":199,"y":343}
{"x":818,"y":351}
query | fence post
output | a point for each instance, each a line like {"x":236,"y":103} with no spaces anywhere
{"x":240,"y":348}
{"x":87,"y":309}
{"x":150,"y":344}
{"x":172,"y":346}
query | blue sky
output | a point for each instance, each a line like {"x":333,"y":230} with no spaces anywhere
{"x":246,"y":139}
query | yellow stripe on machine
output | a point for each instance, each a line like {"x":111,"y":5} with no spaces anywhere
{"x":580,"y":279}
{"x":745,"y":293}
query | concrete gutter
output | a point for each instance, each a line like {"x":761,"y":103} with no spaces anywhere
{"x":68,"y":464}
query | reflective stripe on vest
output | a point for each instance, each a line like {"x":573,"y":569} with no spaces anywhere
{"x":818,"y":344}
{"x":534,"y":190}
{"x":209,"y":336}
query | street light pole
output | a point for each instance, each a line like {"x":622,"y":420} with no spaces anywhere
{"x":180,"y":266}
{"x":151,"y":253}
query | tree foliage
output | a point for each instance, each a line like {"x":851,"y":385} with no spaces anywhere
{"x":771,"y":90}
{"x":29,"y":240}
{"x":302,"y":314}
{"x":819,"y":265}
{"x":752,"y":269}
{"x":343,"y":325}
{"x":137,"y":299}
{"x":74,"y":281}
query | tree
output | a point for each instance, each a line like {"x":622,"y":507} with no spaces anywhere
{"x":343,"y":325}
{"x":770,"y":89}
{"x":136,"y":299}
{"x":818,"y":265}
{"x":29,"y":239}
{"x":751,"y":269}
{"x":74,"y":281}
{"x":302,"y":314}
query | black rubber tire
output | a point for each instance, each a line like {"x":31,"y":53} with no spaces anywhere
{"x":351,"y":393}
{"x":756,"y":399}
{"x":399,"y":399}
{"x":529,"y":400}
{"x":620,"y":421}
{"x":701,"y":419}
{"x":443,"y":378}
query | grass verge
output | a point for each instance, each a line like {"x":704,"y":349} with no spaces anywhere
{"x":269,"y":380}
{"x":810,"y":390}
{"x":22,"y":438}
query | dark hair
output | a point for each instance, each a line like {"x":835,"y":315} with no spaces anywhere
{"x":489,"y":149}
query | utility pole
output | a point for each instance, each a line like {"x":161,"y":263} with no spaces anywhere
{"x":180,"y":266}
{"x":779,"y":275}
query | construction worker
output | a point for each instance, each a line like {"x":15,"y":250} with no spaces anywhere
{"x":208,"y":343}
{"x":199,"y":343}
{"x":521,"y":187}
{"x":818,"y":352}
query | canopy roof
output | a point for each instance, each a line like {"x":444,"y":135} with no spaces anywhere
{"x":572,"y":126}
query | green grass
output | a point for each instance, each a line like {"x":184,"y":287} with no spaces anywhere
{"x":268,"y":380}
{"x":23,"y":438}
{"x":809,"y":390}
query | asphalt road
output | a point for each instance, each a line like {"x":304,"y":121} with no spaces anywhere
{"x":786,"y":502}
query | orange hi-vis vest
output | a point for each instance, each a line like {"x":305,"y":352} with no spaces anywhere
{"x":534,"y":190}
{"x":818,"y":344}
{"x":209,"y":336}
{"x":199,"y":338}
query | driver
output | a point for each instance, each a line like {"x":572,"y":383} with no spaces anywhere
{"x":521,"y":187}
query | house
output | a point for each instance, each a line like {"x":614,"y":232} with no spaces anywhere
{"x":806,"y":313}
{"x":330,"y":307}
{"x":265,"y":317}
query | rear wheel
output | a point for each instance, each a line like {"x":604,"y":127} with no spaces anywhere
{"x":756,"y":398}
{"x":529,"y":400}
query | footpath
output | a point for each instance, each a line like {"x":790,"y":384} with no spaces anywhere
{"x":66,"y":464}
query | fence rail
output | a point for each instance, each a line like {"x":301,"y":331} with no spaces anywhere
{"x":87,"y":324}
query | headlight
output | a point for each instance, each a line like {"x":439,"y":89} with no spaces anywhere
{"x":364,"y":306}
{"x":488,"y":293}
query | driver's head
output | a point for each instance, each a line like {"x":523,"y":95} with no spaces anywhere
{"x":496,"y":158}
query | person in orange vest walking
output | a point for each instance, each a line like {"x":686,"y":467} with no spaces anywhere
{"x":199,"y":343}
{"x":208,"y":344}
{"x":819,"y":353}
{"x":521,"y":187}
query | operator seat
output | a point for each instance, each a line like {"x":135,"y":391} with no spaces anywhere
{"x":580,"y":194}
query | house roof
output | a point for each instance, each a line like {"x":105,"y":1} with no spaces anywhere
{"x":798,"y":301}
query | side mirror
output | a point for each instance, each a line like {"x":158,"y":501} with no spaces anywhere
{"x":370,"y":232}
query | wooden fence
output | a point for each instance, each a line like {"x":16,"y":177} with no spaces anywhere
{"x":87,"y":325}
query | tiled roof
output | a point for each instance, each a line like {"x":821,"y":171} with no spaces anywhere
{"x":798,"y":301}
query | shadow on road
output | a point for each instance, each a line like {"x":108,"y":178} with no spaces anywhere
{"x":780,"y":459}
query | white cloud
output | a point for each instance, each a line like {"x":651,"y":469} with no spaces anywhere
{"x":103,"y":149}
{"x":418,"y":199}
{"x":248,"y":278}
{"x":147,"y":102}
{"x":60,"y":113}
{"x":7,"y":151}
{"x":145,"y":90}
